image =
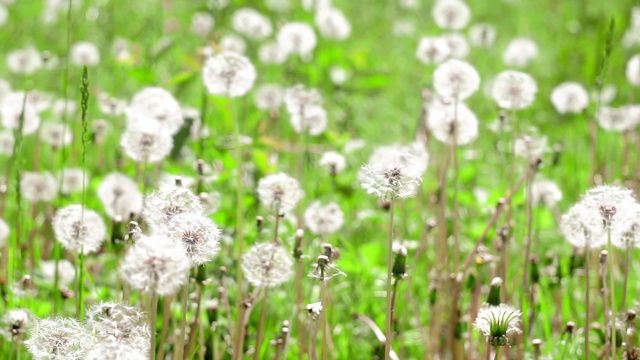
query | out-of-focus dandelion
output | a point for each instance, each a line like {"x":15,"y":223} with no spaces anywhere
{"x":56,"y":135}
{"x":514,"y":90}
{"x":14,"y":324}
{"x":530,"y":147}
{"x":323,"y":220}
{"x":297,"y":38}
{"x":334,"y":161}
{"x":267,"y":264}
{"x":38,"y":187}
{"x":279,"y":192}
{"x":25,"y":61}
{"x":7,"y":141}
{"x":618,"y":119}
{"x":119,"y":324}
{"x":520,"y":52}
{"x":165,"y":203}
{"x":146,"y":142}
{"x":432,"y":50}
{"x":79,"y":229}
{"x":14,"y":109}
{"x":633,"y":70}
{"x":154,"y":103}
{"x":228,"y":74}
{"x":120,"y":196}
{"x":272,"y":54}
{"x":269,"y":97}
{"x":451,"y":14}
{"x":84,"y":53}
{"x":452,"y":123}
{"x":66,"y":272}
{"x":72,"y":180}
{"x":545,"y":192}
{"x":482,"y":35}
{"x":5,"y":231}
{"x":251,"y":23}
{"x":109,"y":350}
{"x":397,"y":179}
{"x":314,"y":310}
{"x":332,"y":23}
{"x":456,"y":79}
{"x":569,"y":97}
{"x":59,"y":339}
{"x":202,"y":23}
{"x":198,"y":235}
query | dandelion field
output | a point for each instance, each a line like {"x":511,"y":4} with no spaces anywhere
{"x":286,"y":179}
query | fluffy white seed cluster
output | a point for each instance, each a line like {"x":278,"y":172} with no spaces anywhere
{"x":530,"y":147}
{"x":120,"y":196}
{"x":267,"y":265}
{"x":72,"y":180}
{"x":482,"y":35}
{"x":15,"y":323}
{"x":569,"y":97}
{"x":119,"y":324}
{"x":251,"y":23}
{"x":25,"y":61}
{"x":619,"y":119}
{"x":451,"y":14}
{"x":269,"y":97}
{"x":546,"y":193}
{"x":271,"y":53}
{"x":59,"y":339}
{"x":38,"y":187}
{"x":397,"y":177}
{"x":202,"y":23}
{"x":228,"y":74}
{"x":305,"y":110}
{"x":432,"y":50}
{"x":633,"y":70}
{"x":332,"y":23}
{"x":154,"y":104}
{"x":85,"y":53}
{"x":334,"y":161}
{"x":66,"y":272}
{"x":452,"y":122}
{"x":17,"y":110}
{"x":56,"y":135}
{"x":514,"y":90}
{"x":456,"y":79}
{"x":79,"y":229}
{"x":323,"y":219}
{"x":520,"y":52}
{"x":198,"y":235}
{"x":279,"y":192}
{"x":297,"y":38}
{"x":165,"y":203}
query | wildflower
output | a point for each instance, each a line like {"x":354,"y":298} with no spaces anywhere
{"x":211,"y":202}
{"x":310,"y":119}
{"x":169,"y":180}
{"x":156,"y":265}
{"x":114,"y":351}
{"x":198,"y":235}
{"x":79,"y":229}
{"x":497,"y":322}
{"x":451,"y":14}
{"x":514,"y":90}
{"x":146,"y":142}
{"x":202,"y":23}
{"x":432,"y":50}
{"x":279,"y":192}
{"x":297,"y":38}
{"x":627,"y":234}
{"x":453,"y":123}
{"x":24,"y":61}
{"x":298,"y":99}
{"x":15,"y":109}
{"x":573,"y":227}
{"x":618,"y":119}
{"x":267,"y":264}
{"x":569,"y":97}
{"x":456,"y":79}
{"x":56,"y":135}
{"x":314,"y":310}
{"x":334,"y":161}
{"x":324,"y":270}
{"x":633,"y":70}
{"x":529,"y":147}
{"x":458,"y":45}
{"x":228,"y":74}
{"x":38,"y":187}
{"x":14,"y":324}
{"x":323,"y":220}
{"x":338,"y":75}
{"x":165,"y":203}
{"x":520,"y":52}
{"x":482,"y":35}
{"x":251,"y":23}
{"x":157,"y":104}
{"x":396,"y":179}
{"x":110,"y":105}
{"x":66,"y":272}
{"x":545,"y":192}
{"x":120,"y":196}
{"x":7,"y":141}
{"x":332,"y":23}
{"x":85,"y":54}
{"x":606,"y":207}
{"x":73,"y":180}
{"x":233,"y":44}
{"x":269,"y":97}
{"x":120,"y":324}
{"x":59,"y":339}
{"x":271,"y":53}
{"x":5,"y":231}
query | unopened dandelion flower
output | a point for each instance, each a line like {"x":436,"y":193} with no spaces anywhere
{"x":25,"y":61}
{"x":451,"y":14}
{"x":323,"y":219}
{"x":271,"y":53}
{"x":279,"y":192}
{"x":157,"y":104}
{"x":14,"y":109}
{"x":5,"y":231}
{"x":120,"y":196}
{"x":482,"y":35}
{"x":56,"y":135}
{"x":633,"y":70}
{"x":618,"y":119}
{"x":109,"y":350}
{"x":514,"y":90}
{"x":267,"y":264}
{"x":156,"y":265}
{"x":251,"y":23}
{"x":73,"y":180}
{"x":458,"y":45}
{"x":79,"y":229}
{"x":453,"y":123}
{"x":334,"y":161}
{"x":146,"y":142}
{"x":7,"y":142}
{"x":456,"y":79}
{"x":85,"y":54}
{"x":569,"y":97}
{"x":59,"y":339}
{"x":38,"y":187}
{"x":530,"y":147}
{"x":228,"y":74}
{"x":297,"y":38}
{"x":497,"y":322}
{"x":269,"y":97}
{"x":14,"y":324}
{"x":432,"y":50}
{"x":197,"y":234}
{"x":165,"y":203}
{"x":545,"y":192}
{"x":233,"y":43}
{"x":520,"y":52}
{"x":66,"y":272}
{"x":119,"y":324}
{"x":398,"y":179}
{"x":332,"y":23}
{"x":202,"y":23}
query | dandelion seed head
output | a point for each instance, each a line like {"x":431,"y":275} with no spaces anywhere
{"x":72,"y":180}
{"x":85,"y":53}
{"x":530,"y":147}
{"x":633,"y":70}
{"x":228,"y":74}
{"x":119,"y":324}
{"x":311,"y":120}
{"x":154,"y":103}
{"x":452,"y":123}
{"x":332,"y":23}
{"x":146,"y":141}
{"x":14,"y":324}
{"x":456,"y":79}
{"x":545,"y":192}
{"x":297,"y":38}
{"x":451,"y":14}
{"x":514,"y":90}
{"x":334,"y":161}
{"x":279,"y":192}
{"x":38,"y":187}
{"x":251,"y":23}
{"x":271,"y":53}
{"x":520,"y":52}
{"x":79,"y":229}
{"x":397,"y":178}
{"x":323,"y":219}
{"x":165,"y":203}
{"x":569,"y":97}
{"x":576,"y":231}
{"x":66,"y":272}
{"x":7,"y":141}
{"x":458,"y":45}
{"x":432,"y":50}
{"x":25,"y":61}
{"x":120,"y":196}
{"x":482,"y":35}
{"x":618,"y":119}
{"x":269,"y":97}
{"x":59,"y":339}
{"x":233,"y":43}
{"x":267,"y":265}
{"x":114,"y":351}
{"x":202,"y":24}
{"x":197,"y":234}
{"x":55,"y":134}
{"x":15,"y":109}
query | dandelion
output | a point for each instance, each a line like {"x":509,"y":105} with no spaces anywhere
{"x":267,"y":265}
{"x":269,"y":97}
{"x":633,"y":70}
{"x":156,"y":104}
{"x":453,"y":123}
{"x":569,"y":97}
{"x":605,"y":95}
{"x":520,"y":52}
{"x":545,"y":192}
{"x":156,"y":265}
{"x":79,"y":229}
{"x":59,"y":339}
{"x":334,"y":161}
{"x":606,"y":205}
{"x":314,"y":310}
{"x":85,"y":54}
{"x":397,"y":179}
{"x":332,"y":23}
{"x":432,"y":50}
{"x":114,"y":351}
{"x":165,"y":203}
{"x":14,"y":324}
{"x":198,"y":235}
{"x":311,"y":119}
{"x":338,"y":75}
{"x":271,"y":53}
{"x":456,"y":79}
{"x":298,"y":99}
{"x":119,"y":324}
{"x":297,"y":38}
{"x":25,"y":61}
{"x":146,"y":142}
{"x":38,"y":187}
{"x":66,"y":272}
{"x":618,"y":119}
{"x":451,"y":14}
{"x":323,"y":220}
{"x":5,"y":231}
{"x":458,"y":45}
{"x":627,"y":234}
{"x":514,"y":90}
{"x":64,"y":108}
{"x":403,"y":28}
{"x":497,"y":322}
{"x":574,"y":228}
{"x":233,"y":44}
{"x":14,"y":109}
{"x":228,"y":74}
{"x":251,"y":23}
{"x":324,"y":270}
{"x":391,"y":154}
{"x":279,"y":192}
{"x":7,"y":142}
{"x":202,"y":23}
{"x":56,"y":135}
{"x":72,"y":180}
{"x":482,"y":35}
{"x":120,"y":196}
{"x":529,"y":147}
{"x":110,"y":105}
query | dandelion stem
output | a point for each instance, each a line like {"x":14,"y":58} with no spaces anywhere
{"x":325,"y":332}
{"x":627,"y":263}
{"x":587,"y":298}
{"x":388,"y":330}
{"x":497,"y":353}
{"x":166,"y":315}
{"x":527,"y":257}
{"x":179,"y":350}
{"x":612,"y":290}
{"x":153,"y":312}
{"x":239,"y":223}
{"x":260,"y":335}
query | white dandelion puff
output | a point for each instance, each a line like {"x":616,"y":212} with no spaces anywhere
{"x":228,"y":74}
{"x":279,"y":192}
{"x":569,"y":97}
{"x":514,"y":90}
{"x":267,"y":265}
{"x":79,"y":229}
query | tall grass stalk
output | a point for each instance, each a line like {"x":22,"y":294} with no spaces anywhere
{"x":388,"y":328}
{"x":84,"y":105}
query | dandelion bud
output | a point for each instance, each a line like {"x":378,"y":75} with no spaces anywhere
{"x":259,"y":222}
{"x":494,"y":292}
{"x":496,"y":322}
{"x":399,"y":270}
{"x":534,"y":271}
{"x":569,"y":328}
{"x":212,"y":307}
{"x":631,"y":317}
{"x":537,"y":347}
{"x":297,"y":248}
{"x":134,"y":233}
{"x":603,"y":257}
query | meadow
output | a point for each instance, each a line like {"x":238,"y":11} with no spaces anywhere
{"x":318,"y":179}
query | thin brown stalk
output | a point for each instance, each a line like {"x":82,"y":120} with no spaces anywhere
{"x":166,"y":315}
{"x":627,"y":263}
{"x":388,"y":329}
{"x":194,"y":333}
{"x":153,"y":312}
{"x":605,"y":301}
{"x":179,"y":346}
{"x":587,"y":292}
{"x":260,"y":335}
{"x":529,"y":239}
{"x":324,"y":321}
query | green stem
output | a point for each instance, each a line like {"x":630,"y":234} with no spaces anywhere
{"x":497,"y":354}
{"x":153,"y":312}
{"x":80,"y":299}
{"x":612,"y":289}
{"x":388,"y":330}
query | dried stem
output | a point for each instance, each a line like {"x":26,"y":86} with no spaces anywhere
{"x":260,"y":335}
{"x":388,"y":329}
